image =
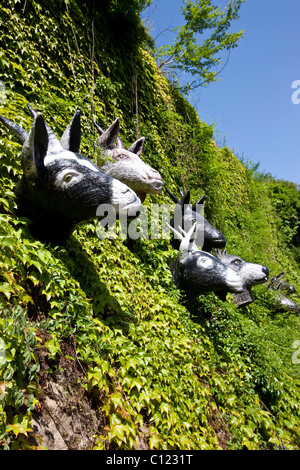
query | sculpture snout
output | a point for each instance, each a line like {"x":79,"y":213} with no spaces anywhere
{"x":216,"y":240}
{"x":154,"y":178}
{"x":124,"y":198}
{"x":261,"y":277}
{"x":219,"y":242}
{"x":153,"y":174}
{"x":266,"y":272}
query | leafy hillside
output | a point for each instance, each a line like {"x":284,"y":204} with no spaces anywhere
{"x":98,"y":341}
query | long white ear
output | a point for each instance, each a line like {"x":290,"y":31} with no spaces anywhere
{"x":72,"y":136}
{"x":137,"y":146}
{"x":186,"y":244}
{"x":182,"y":235}
{"x":179,"y":235}
{"x":35,"y":148}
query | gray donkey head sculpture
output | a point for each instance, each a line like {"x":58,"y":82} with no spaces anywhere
{"x":126,"y":165}
{"x":251,"y":274}
{"x":60,"y":187}
{"x":207,"y":236}
{"x":197,"y":272}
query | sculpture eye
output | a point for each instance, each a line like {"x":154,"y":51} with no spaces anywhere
{"x":122,"y":157}
{"x":237,"y":261}
{"x":205,"y":261}
{"x":68,"y":178}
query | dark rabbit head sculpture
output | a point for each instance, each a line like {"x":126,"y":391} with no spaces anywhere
{"x":126,"y":165}
{"x":60,"y":187}
{"x":197,"y":272}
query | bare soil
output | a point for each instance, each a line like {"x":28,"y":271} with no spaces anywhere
{"x":69,"y":417}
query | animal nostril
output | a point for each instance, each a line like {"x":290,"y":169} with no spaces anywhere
{"x":266,"y":270}
{"x":153,"y":175}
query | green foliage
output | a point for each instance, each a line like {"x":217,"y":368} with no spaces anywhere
{"x":286,"y":201}
{"x":201,"y":39}
{"x":17,"y":368}
{"x":209,"y":377}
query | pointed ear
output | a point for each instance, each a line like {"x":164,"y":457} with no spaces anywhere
{"x":188,"y":242}
{"x":15,"y":129}
{"x":99,"y":129}
{"x":72,"y":136}
{"x":200,"y":201}
{"x":179,"y":235}
{"x":185,"y":198}
{"x":35,"y":148}
{"x":280,"y":276}
{"x":31,"y":110}
{"x":137,"y":146}
{"x":53,"y":143}
{"x":109,"y":137}
{"x":172,"y":196}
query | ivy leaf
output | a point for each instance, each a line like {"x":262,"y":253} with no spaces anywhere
{"x":7,"y":290}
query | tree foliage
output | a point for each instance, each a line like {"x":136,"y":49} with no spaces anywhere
{"x":199,"y":43}
{"x":286,"y":200}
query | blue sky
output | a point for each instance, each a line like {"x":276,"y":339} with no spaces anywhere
{"x":251,"y":106}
